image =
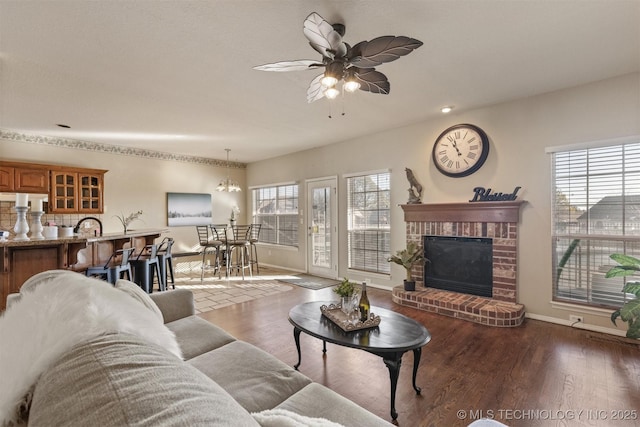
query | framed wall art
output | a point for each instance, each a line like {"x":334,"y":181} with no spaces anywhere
{"x":185,"y":209}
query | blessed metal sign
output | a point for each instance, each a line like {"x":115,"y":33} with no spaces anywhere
{"x":482,"y":194}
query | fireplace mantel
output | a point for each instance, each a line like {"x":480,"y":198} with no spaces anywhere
{"x":463,"y":212}
{"x":495,"y":220}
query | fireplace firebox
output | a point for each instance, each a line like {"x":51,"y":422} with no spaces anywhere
{"x":459,"y":264}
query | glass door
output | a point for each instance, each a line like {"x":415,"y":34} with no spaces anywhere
{"x":322,"y":241}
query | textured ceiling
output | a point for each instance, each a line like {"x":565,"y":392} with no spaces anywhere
{"x":176,"y":76}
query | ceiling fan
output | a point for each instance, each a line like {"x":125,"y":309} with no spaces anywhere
{"x":354,"y":65}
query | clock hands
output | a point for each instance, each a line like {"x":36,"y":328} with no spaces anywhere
{"x":456,"y":147}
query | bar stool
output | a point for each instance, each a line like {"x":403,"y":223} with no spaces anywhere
{"x":240,"y":245}
{"x":166,"y":261}
{"x":115,"y":267}
{"x":209,"y":240}
{"x":144,"y":267}
{"x":253,"y":249}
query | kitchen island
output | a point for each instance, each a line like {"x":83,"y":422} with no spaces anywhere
{"x":20,"y":260}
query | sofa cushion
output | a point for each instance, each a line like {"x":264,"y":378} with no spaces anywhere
{"x":316,"y":400}
{"x":254,"y":378}
{"x":121,"y":380}
{"x":196,"y":336}
{"x":174,"y":305}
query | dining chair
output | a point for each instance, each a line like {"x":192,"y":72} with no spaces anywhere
{"x":209,"y":241}
{"x":116,"y":266}
{"x":145,"y":265}
{"x":239,"y":245}
{"x":166,"y":261}
{"x":254,"y":237}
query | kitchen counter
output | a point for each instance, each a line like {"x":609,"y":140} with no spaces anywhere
{"x":21,"y":259}
{"x":84,"y":238}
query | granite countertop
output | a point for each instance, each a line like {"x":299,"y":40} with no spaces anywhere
{"x":83,"y":238}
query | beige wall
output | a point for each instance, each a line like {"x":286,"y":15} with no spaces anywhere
{"x":135,"y":183}
{"x":518,"y":131}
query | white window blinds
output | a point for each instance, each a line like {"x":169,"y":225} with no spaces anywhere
{"x":596,"y":212}
{"x":368,"y":222}
{"x":276,"y":208}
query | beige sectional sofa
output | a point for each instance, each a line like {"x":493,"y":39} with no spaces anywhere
{"x":118,"y":378}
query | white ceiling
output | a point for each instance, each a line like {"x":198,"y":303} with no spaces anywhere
{"x":176,"y":76}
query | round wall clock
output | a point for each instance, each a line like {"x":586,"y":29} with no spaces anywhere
{"x":460,"y":150}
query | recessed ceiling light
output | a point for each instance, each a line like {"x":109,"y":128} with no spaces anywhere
{"x":63,"y":126}
{"x":446,"y":109}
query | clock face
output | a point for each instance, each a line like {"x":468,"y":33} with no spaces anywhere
{"x":460,"y":150}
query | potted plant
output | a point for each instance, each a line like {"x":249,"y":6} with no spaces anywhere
{"x":346,"y":291}
{"x":125,"y":221}
{"x":630,"y":311}
{"x":408,"y":257}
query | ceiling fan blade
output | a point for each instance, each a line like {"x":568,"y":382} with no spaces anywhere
{"x":323,"y":38}
{"x":300,"y":65}
{"x":373,"y":81}
{"x":369,"y":54}
{"x":316,"y":90}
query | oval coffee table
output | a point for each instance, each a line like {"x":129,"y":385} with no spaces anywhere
{"x":395,"y":335}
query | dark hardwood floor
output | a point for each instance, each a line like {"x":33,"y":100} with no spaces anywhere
{"x":539,"y":374}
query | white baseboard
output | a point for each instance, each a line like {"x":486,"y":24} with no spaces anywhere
{"x":279,"y":267}
{"x":585,"y":326}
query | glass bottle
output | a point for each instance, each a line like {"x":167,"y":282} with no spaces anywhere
{"x":363,"y":305}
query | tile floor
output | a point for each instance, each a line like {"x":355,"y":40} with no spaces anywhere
{"x":213,"y":293}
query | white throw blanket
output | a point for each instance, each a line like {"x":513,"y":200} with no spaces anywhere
{"x":62,"y":311}
{"x":284,"y":418}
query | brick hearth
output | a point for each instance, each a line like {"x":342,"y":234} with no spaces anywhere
{"x":495,"y":220}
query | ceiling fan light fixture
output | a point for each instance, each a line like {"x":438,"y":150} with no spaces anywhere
{"x":351,"y":65}
{"x":333,"y":73}
{"x":328,"y":80}
{"x":331,"y":93}
{"x":351,"y":85}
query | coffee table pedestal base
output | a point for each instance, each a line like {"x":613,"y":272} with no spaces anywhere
{"x":393,"y":361}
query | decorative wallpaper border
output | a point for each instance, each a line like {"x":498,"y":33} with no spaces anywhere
{"x":76,"y":144}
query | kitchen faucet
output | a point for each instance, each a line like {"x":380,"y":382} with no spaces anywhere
{"x":77,"y":227}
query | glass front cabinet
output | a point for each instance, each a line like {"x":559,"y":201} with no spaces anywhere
{"x":76,"y":191}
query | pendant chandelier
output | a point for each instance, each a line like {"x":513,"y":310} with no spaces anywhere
{"x":227,"y":184}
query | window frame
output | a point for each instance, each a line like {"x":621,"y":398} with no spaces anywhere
{"x":382,"y":251}
{"x":581,"y":243}
{"x":285,"y":225}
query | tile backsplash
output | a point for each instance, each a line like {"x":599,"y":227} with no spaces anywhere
{"x":8,"y":217}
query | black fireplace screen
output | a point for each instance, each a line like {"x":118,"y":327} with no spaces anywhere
{"x":459,"y":264}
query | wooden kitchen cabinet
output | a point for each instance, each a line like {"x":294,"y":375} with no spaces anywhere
{"x":63,"y":197}
{"x":24,"y":178}
{"x":31,"y":180}
{"x":77,"y":191}
{"x":70,"y":189}
{"x":6,"y":178}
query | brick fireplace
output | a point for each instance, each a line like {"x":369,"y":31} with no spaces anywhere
{"x":495,"y":220}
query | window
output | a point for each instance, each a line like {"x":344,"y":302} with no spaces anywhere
{"x":368,"y":219}
{"x":596,"y":212}
{"x":276,"y":208}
